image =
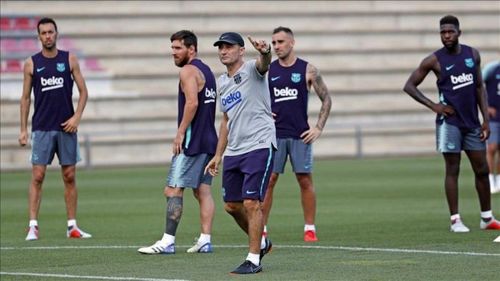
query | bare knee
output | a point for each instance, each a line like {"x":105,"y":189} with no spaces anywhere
{"x":232,"y":207}
{"x":482,"y":171}
{"x":453,"y":169}
{"x":69,"y":176}
{"x":305,"y":181}
{"x":251,"y":205}
{"x":173,"y":191}
{"x":37,"y":178}
{"x":203,"y":192}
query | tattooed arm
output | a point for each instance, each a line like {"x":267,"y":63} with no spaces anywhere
{"x":315,"y":80}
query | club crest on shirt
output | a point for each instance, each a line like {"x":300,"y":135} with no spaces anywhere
{"x":61,"y":67}
{"x":469,"y":62}
{"x":237,"y":78}
{"x":295,"y":77}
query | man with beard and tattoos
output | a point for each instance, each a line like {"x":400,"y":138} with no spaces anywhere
{"x":194,"y":145}
{"x":290,"y":79}
{"x":458,"y":71}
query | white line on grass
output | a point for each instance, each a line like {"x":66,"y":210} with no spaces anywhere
{"x":354,"y":249}
{"x":84,"y":276}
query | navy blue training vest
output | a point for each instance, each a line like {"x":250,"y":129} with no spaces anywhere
{"x":457,"y":87}
{"x":53,"y":91}
{"x":201,"y":136}
{"x":289,"y":98}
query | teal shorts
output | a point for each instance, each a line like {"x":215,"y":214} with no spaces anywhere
{"x":300,"y":153}
{"x":188,"y":171}
{"x":452,"y":139}
{"x":46,"y":144}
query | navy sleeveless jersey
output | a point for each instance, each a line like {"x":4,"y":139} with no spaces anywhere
{"x":492,"y":81}
{"x":457,"y":86}
{"x":201,"y":136}
{"x":289,"y":97}
{"x":53,"y":91}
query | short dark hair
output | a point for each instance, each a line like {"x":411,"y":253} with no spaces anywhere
{"x":449,"y":19}
{"x":284,"y":29}
{"x":188,"y":38}
{"x":44,"y":21}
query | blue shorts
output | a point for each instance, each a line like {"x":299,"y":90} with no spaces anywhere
{"x":45,"y":144}
{"x":246,"y":176}
{"x":451,"y":139}
{"x":301,"y":156}
{"x":494,"y":132}
{"x":188,"y":171}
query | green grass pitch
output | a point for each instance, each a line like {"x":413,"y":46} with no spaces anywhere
{"x":377,"y":219}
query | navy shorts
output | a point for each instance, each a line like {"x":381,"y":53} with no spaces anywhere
{"x":188,"y":171}
{"x":494,"y":133}
{"x":300,"y":153}
{"x":45,"y":144}
{"x":451,"y":139}
{"x":246,"y":176}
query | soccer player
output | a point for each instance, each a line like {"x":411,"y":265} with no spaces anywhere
{"x":194,"y":144}
{"x":50,"y":73}
{"x":458,"y":71}
{"x":290,"y":79}
{"x":248,"y":137}
{"x":491,"y":76}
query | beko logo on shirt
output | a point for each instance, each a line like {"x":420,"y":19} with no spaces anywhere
{"x":210,"y":95}
{"x":231,"y":100}
{"x":51,"y":83}
{"x":462,"y":80}
{"x":285,"y":94}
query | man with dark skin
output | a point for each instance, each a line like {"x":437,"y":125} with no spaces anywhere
{"x":458,"y":71}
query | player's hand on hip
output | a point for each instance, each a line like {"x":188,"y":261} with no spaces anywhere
{"x":445,"y":110}
{"x":71,"y":125}
{"x":260,"y":45}
{"x":213,"y":166}
{"x":485,"y":132}
{"x":311,"y":135}
{"x":23,"y":138}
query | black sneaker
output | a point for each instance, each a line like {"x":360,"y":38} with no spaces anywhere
{"x":247,"y":267}
{"x":267,"y":249}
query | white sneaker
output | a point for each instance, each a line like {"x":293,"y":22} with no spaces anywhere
{"x":32,"y":233}
{"x":458,"y":227}
{"x":75,"y":232}
{"x":493,"y":224}
{"x":495,"y":188}
{"x":497,"y":239}
{"x":158,"y":248}
{"x":201,"y":248}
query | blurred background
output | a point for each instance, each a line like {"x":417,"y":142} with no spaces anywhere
{"x":365,"y":51}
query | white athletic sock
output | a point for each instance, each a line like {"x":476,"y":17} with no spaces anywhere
{"x":33,"y":223}
{"x":71,"y":223}
{"x":309,"y":227}
{"x":455,"y":217}
{"x":265,"y":228}
{"x":168,"y":239}
{"x":254,"y":258}
{"x":262,"y":242}
{"x":203,"y":239}
{"x":486,"y":214}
